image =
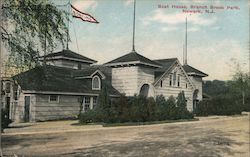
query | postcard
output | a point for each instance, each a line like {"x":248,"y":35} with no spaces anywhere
{"x":125,"y":78}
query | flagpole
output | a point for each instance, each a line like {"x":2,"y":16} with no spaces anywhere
{"x":133,"y":41}
{"x":185,"y":61}
{"x":67,"y":47}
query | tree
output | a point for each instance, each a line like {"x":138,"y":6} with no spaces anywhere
{"x":181,"y":101}
{"x":31,"y":26}
{"x":104,"y":104}
{"x":241,"y":85}
{"x":215,"y":87}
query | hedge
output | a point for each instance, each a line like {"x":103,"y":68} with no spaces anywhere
{"x":220,"y":105}
{"x":138,"y":109}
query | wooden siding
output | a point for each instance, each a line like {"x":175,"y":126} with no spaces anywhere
{"x":197,"y":81}
{"x":145,"y":76}
{"x":129,"y":80}
{"x":125,"y":80}
{"x":166,"y":90}
{"x":17,"y":111}
{"x":67,"y":107}
{"x":67,"y":64}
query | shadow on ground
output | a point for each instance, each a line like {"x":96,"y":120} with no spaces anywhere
{"x":25,"y":141}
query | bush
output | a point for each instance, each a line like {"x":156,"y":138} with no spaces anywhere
{"x":5,"y":120}
{"x":138,"y":109}
{"x":220,"y":105}
{"x":89,"y":116}
{"x":246,"y":107}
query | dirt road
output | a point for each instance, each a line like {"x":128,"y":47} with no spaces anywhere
{"x":212,"y":136}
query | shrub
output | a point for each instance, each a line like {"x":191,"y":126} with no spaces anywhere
{"x":137,"y":109}
{"x":220,"y":105}
{"x":89,"y":116}
{"x":181,"y":101}
{"x":5,"y":120}
{"x":246,"y":107}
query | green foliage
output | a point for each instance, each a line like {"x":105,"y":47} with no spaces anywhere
{"x":137,"y":109}
{"x":228,"y":95}
{"x":215,"y":87}
{"x":4,"y":120}
{"x":89,"y":116}
{"x":28,"y":24}
{"x":181,"y":101}
{"x":220,"y":105}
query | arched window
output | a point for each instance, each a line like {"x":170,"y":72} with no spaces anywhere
{"x":96,"y":83}
{"x":144,"y":90}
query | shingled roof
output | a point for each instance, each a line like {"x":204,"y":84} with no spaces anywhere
{"x":133,"y":58}
{"x":166,"y":64}
{"x":192,"y":71}
{"x":57,"y":79}
{"x":70,"y":55}
{"x":90,"y":70}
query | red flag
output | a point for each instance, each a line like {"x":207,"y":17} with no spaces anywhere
{"x":84,"y":16}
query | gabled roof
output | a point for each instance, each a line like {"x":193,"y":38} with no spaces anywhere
{"x":192,"y":71}
{"x":69,"y":55}
{"x":166,"y":64}
{"x":133,"y":58}
{"x":89,"y":71}
{"x":57,"y":79}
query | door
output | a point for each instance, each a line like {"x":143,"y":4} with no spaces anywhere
{"x":8,"y":107}
{"x":26,"y":108}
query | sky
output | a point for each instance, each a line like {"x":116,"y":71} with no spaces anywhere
{"x":214,"y":39}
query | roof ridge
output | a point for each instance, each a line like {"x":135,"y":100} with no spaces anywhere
{"x":164,"y":59}
{"x":136,"y":55}
{"x":70,"y":54}
{"x":193,"y":69}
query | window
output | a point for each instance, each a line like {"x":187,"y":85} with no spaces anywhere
{"x":79,"y":66}
{"x":96,"y":83}
{"x":161,"y":83}
{"x":94,"y":101}
{"x":53,"y":98}
{"x":86,"y":103}
{"x":170,"y":80}
{"x":178,"y":81}
{"x":174,"y":79}
{"x":15,"y":90}
{"x":186,"y":85}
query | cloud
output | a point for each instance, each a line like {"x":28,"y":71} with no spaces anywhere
{"x":128,"y":2}
{"x":217,"y":62}
{"x":216,"y":28}
{"x":160,"y":16}
{"x":193,"y":29}
{"x":85,"y":5}
{"x":169,"y":29}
